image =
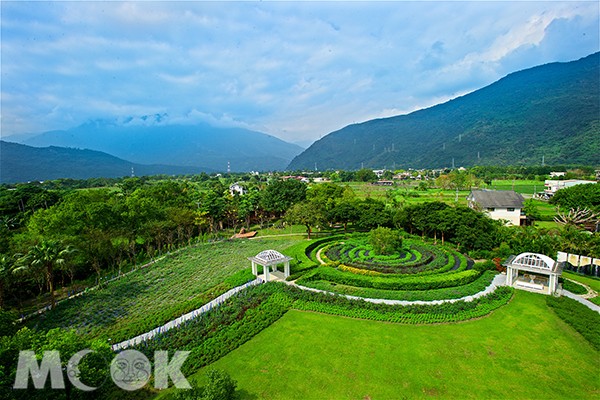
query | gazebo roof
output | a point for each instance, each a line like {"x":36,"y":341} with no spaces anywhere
{"x":269,"y":257}
{"x":533,"y":262}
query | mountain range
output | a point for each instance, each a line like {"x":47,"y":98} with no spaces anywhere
{"x":21,"y":163}
{"x":549,"y":113}
{"x":201,"y":145}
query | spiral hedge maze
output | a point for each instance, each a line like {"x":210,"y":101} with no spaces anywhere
{"x":419,"y":271}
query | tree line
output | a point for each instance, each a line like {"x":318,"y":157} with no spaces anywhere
{"x":57,"y":234}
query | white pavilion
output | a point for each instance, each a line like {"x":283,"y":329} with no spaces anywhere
{"x":270,"y":259}
{"x":534,"y":272}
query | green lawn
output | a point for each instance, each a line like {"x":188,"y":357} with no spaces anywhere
{"x":521,"y":351}
{"x":522,"y":186}
{"x":594,"y":283}
{"x":150,"y":297}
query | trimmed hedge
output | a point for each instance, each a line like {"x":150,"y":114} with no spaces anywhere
{"x":427,"y":282}
{"x":412,"y":314}
{"x":455,"y":292}
{"x":581,"y":318}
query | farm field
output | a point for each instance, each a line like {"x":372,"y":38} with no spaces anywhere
{"x":526,"y":187}
{"x":521,"y":351}
{"x":149,"y":297}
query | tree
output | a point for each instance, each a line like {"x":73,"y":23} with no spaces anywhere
{"x":579,"y":196}
{"x":281,"y":195}
{"x":306,"y":214}
{"x":365,"y":175}
{"x":47,"y":255}
{"x":5,"y":271}
{"x":385,"y":241}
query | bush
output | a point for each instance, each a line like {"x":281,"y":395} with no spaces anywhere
{"x":220,"y":386}
{"x":385,"y":241}
{"x":487,"y":265}
{"x":573,"y":287}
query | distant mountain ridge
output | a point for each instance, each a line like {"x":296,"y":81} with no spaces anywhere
{"x":200,"y":145}
{"x":21,"y":163}
{"x":549,"y":112}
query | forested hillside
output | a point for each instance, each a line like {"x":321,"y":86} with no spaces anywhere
{"x":550,"y":113}
{"x":20,"y":163}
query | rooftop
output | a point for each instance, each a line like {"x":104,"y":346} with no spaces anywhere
{"x":496,"y":198}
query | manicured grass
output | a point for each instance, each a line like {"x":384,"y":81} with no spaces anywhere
{"x":521,"y":351}
{"x":594,"y":283}
{"x":150,"y":297}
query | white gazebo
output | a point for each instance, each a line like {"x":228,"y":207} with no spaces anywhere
{"x":539,"y":273}
{"x":269,"y":259}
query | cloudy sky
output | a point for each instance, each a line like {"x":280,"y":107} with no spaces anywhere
{"x":296,"y":70}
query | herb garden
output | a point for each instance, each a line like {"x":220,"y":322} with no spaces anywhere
{"x":416,"y":270}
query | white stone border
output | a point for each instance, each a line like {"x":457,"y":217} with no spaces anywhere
{"x":186,"y":317}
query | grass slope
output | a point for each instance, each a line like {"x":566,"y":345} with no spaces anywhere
{"x":150,"y":297}
{"x":521,"y":351}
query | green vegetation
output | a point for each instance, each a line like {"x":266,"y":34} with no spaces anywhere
{"x":548,"y":111}
{"x":150,"y":297}
{"x":573,"y":287}
{"x":385,"y":241}
{"x":592,"y":282}
{"x":580,"y":317}
{"x":453,"y":292}
{"x":320,"y":356}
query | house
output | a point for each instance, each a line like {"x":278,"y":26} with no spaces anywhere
{"x":557,"y":174}
{"x":383,"y":183}
{"x":499,"y":205}
{"x":237,"y":188}
{"x":551,"y":186}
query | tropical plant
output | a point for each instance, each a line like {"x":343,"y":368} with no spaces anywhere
{"x":46,"y":256}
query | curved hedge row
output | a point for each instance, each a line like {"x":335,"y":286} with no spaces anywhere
{"x":454,"y":292}
{"x":433,"y":281}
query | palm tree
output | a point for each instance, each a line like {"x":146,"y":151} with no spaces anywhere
{"x":46,"y":255}
{"x":5,"y":266}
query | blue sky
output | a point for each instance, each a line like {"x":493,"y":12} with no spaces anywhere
{"x":296,"y":70}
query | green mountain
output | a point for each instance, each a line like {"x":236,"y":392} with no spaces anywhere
{"x":200,"y":145}
{"x":550,"y":111}
{"x":20,"y":163}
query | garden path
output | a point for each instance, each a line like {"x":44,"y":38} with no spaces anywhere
{"x":499,"y":280}
{"x":582,"y":300}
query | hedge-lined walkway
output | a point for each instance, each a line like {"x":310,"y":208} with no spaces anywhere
{"x":499,"y":280}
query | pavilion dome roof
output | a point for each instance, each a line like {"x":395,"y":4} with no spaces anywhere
{"x":534,"y":260}
{"x":270,"y":257}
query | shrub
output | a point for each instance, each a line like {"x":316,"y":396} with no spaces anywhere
{"x":220,"y":386}
{"x":385,"y":241}
{"x":573,"y":287}
{"x":581,"y":318}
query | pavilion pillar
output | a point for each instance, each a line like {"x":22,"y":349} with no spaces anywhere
{"x":286,"y":270}
{"x":266,"y":268}
{"x":509,"y":276}
{"x":254,"y":269}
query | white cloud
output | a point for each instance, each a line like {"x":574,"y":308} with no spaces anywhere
{"x":297,"y":70}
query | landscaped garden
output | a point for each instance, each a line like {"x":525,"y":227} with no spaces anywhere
{"x":150,"y":297}
{"x":415,"y":270}
{"x":520,"y":351}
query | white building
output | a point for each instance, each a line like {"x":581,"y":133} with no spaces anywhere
{"x":237,"y":188}
{"x":551,"y":186}
{"x":499,"y":205}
